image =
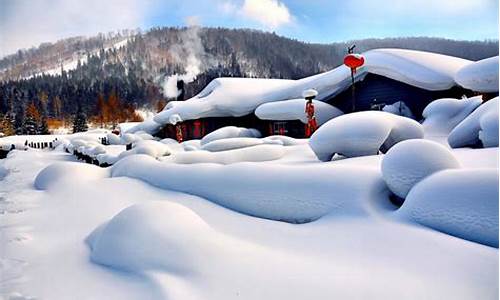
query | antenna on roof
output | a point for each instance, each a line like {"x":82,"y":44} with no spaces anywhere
{"x":351,"y":49}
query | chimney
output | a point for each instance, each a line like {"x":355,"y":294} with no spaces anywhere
{"x":180,"y":88}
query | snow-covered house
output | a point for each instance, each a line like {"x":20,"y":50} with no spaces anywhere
{"x":273,"y":106}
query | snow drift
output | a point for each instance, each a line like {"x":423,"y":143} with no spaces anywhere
{"x":263,"y":190}
{"x":467,"y":132}
{"x":362,"y":133}
{"x":442,"y":115}
{"x":62,"y":173}
{"x":463,"y":203}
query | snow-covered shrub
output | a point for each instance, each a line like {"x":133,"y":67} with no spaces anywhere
{"x":408,"y":162}
{"x":158,"y":234}
{"x":362,"y":133}
{"x":442,"y":115}
{"x":151,"y":148}
{"x":462,"y":202}
{"x":230,"y":132}
{"x":113,"y":139}
{"x":467,"y":132}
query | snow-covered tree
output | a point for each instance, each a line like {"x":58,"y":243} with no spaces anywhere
{"x":80,"y":121}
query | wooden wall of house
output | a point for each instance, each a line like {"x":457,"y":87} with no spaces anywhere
{"x":376,"y":90}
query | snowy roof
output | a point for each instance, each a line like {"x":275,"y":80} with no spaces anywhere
{"x":480,"y":76}
{"x":241,"y":96}
{"x":294,"y":110}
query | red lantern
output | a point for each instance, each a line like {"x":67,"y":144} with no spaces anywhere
{"x":354,"y":61}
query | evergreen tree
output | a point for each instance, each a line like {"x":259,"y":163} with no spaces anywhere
{"x":19,"y":119}
{"x":43,"y":127}
{"x":80,"y":121}
{"x":31,"y":121}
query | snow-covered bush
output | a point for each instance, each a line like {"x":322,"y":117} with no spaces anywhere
{"x":230,"y":132}
{"x":151,"y":148}
{"x":442,"y":115}
{"x":113,"y":139}
{"x":362,"y":133}
{"x":408,"y":162}
{"x":467,"y":132}
{"x":462,"y":202}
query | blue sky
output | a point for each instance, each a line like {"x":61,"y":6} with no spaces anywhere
{"x":320,"y":21}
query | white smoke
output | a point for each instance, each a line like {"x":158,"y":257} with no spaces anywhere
{"x":190,"y":54}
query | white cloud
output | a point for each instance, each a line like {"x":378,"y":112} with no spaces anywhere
{"x":26,"y":23}
{"x":269,"y":13}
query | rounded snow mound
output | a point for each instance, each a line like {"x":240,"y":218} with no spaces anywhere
{"x":480,"y":76}
{"x":467,"y":132}
{"x":462,"y":203}
{"x":442,"y":115}
{"x":230,"y":132}
{"x":294,"y":109}
{"x":155,"y":235}
{"x":408,"y":162}
{"x":256,"y":153}
{"x":237,"y":143}
{"x":362,"y":133}
{"x":151,"y":148}
{"x":68,"y":173}
{"x":113,"y":139}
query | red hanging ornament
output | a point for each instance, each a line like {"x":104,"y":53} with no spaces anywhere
{"x":354,"y":61}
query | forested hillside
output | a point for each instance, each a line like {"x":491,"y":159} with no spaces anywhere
{"x":134,"y":69}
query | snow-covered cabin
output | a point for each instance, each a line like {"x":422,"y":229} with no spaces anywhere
{"x":272,"y":106}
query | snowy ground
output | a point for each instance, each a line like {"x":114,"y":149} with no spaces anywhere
{"x":173,"y":245}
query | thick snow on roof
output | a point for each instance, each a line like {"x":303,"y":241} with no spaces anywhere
{"x":294,"y":109}
{"x":241,"y":96}
{"x":480,"y":76}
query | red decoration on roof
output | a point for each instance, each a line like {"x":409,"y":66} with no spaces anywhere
{"x":354,"y":61}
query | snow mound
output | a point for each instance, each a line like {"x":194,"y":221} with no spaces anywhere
{"x":408,"y":162}
{"x":294,"y":109}
{"x":229,"y":132}
{"x":462,"y":203}
{"x":256,"y":153}
{"x":480,"y":76}
{"x":231,"y":144}
{"x":467,"y":132}
{"x":151,"y":236}
{"x":61,"y":173}
{"x":191,"y":145}
{"x":291,"y":193}
{"x":442,"y":115}
{"x":489,"y":129}
{"x":151,"y":148}
{"x":284,"y":140}
{"x":362,"y":133}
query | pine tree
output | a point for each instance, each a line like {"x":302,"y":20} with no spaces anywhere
{"x":19,"y":119}
{"x":43,"y":126}
{"x":32,"y":119}
{"x":80,"y":121}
